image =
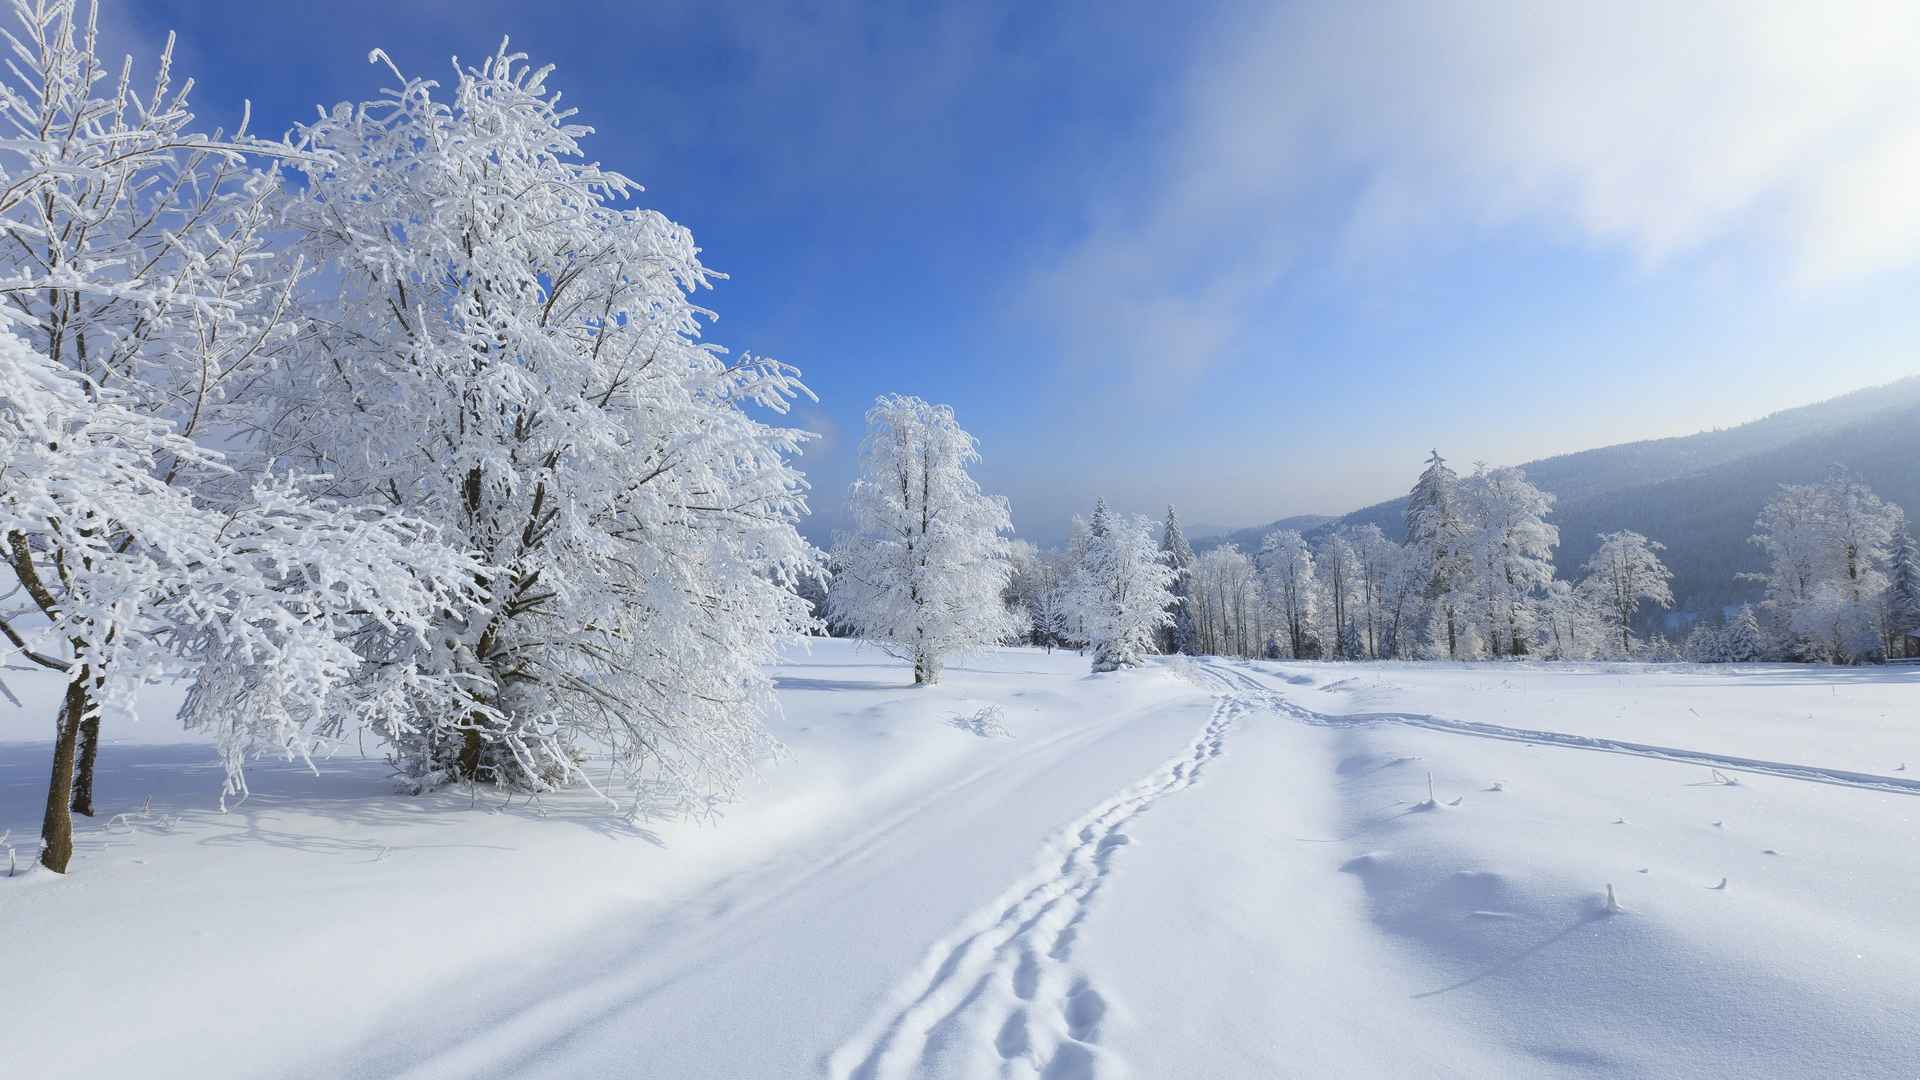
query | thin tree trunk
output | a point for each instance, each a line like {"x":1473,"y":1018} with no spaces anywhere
{"x":56,"y":829}
{"x":89,"y":749}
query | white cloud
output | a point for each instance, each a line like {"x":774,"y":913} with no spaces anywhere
{"x":1784,"y":132}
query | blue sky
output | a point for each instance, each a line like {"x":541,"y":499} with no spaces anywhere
{"x":1251,"y":259}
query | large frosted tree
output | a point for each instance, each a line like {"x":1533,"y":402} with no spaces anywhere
{"x":927,"y":560}
{"x":503,"y":345}
{"x":128,"y":579}
{"x":147,"y":307}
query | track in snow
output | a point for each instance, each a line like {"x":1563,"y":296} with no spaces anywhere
{"x":1002,"y":995}
{"x":1241,"y":682}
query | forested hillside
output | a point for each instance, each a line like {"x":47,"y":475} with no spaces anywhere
{"x":1699,"y":494}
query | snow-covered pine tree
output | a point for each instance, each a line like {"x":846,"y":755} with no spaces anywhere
{"x":1124,"y":590}
{"x":1624,"y":573}
{"x":1178,"y":637}
{"x":1052,"y":626}
{"x":1903,"y":595}
{"x":504,"y":348}
{"x":1742,"y":640}
{"x":1437,"y":535}
{"x":1705,"y":644}
{"x":926,"y":562}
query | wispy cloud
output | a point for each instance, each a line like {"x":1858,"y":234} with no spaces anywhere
{"x":1784,"y":134}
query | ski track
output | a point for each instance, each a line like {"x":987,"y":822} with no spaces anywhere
{"x":1241,"y":682}
{"x":1002,"y":996}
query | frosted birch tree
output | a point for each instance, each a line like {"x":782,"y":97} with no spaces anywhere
{"x":927,"y":558}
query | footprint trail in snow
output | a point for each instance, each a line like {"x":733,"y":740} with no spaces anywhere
{"x":1002,"y":996}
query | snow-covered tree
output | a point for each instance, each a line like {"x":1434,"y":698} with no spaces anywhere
{"x":1829,"y":547}
{"x":925,"y":565}
{"x":1338,"y":567}
{"x":1051,"y":619}
{"x":1437,"y":535}
{"x":1705,"y":644}
{"x":139,"y":255}
{"x":1624,"y":573}
{"x":1178,"y":637}
{"x":501,"y":346}
{"x":1903,"y":595}
{"x":1570,"y":625}
{"x":1225,"y":603}
{"x":1291,"y":592}
{"x":1124,"y":590}
{"x":1510,"y":554}
{"x":1742,"y":639}
{"x":129,"y":579}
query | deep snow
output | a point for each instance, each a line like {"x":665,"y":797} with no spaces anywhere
{"x":1203,"y":869}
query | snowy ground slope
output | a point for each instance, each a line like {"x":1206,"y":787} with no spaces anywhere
{"x":1200,"y":870}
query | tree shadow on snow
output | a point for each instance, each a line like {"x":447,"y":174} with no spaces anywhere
{"x":175,"y":788}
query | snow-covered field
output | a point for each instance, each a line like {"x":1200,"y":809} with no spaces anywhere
{"x":1202,"y":869}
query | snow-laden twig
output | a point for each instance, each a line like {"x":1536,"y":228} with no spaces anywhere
{"x":986,"y":723}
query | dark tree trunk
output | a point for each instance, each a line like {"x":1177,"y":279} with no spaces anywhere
{"x":56,"y":829}
{"x":89,"y":749}
{"x":470,"y":755}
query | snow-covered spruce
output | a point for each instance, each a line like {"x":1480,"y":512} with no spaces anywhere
{"x":1123,"y":589}
{"x":1437,"y":535}
{"x":1178,"y":636}
{"x":504,"y":350}
{"x":923,"y":568}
